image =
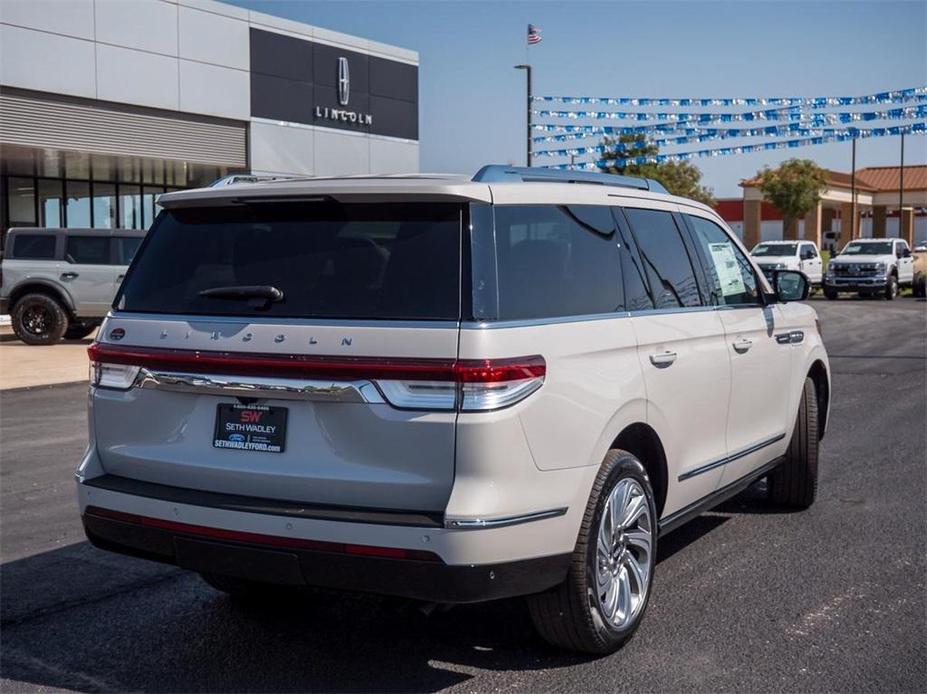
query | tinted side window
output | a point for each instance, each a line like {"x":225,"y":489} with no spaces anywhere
{"x":34,"y":246}
{"x":556,"y":261}
{"x":636,"y":296}
{"x":126,"y":247}
{"x":666,"y":260}
{"x":88,"y":250}
{"x":728,"y":271}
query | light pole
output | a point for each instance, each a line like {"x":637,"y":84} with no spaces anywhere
{"x":527,"y":69}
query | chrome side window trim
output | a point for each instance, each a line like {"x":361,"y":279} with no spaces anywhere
{"x":671,"y":311}
{"x":479,"y":523}
{"x":257,"y":387}
{"x":534,"y":322}
{"x":731,"y":458}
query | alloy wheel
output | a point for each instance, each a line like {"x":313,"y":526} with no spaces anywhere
{"x":624,"y":554}
{"x":36,"y":320}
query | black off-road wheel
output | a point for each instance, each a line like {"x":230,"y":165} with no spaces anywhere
{"x":830,"y":294}
{"x":795,"y":482}
{"x":38,"y":319}
{"x":600,"y":604}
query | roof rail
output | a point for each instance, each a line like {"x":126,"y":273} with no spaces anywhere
{"x":246,"y":178}
{"x":499,"y":173}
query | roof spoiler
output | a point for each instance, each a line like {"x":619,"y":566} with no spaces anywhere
{"x":499,"y":173}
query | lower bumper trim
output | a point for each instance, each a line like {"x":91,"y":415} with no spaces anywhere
{"x":251,"y":556}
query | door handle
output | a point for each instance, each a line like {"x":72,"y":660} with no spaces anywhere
{"x":663,"y":359}
{"x":69,"y":275}
{"x":742,"y":345}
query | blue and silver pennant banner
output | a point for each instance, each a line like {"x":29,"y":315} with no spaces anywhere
{"x":841,"y":136}
{"x":706,"y":135}
{"x":788,"y":115}
{"x":895,"y":96}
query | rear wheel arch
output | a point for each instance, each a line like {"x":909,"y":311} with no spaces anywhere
{"x":643,"y":443}
{"x":49,"y":290}
{"x":818,"y":374}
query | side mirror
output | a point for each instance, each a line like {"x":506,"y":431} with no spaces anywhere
{"x":906,"y":253}
{"x":790,"y":285}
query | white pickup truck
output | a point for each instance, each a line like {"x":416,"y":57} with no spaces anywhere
{"x":789,"y":255}
{"x":870,"y":267}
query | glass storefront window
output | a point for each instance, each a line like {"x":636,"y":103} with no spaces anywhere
{"x":149,"y":208}
{"x":21,"y":201}
{"x":104,"y":205}
{"x":51,"y":194}
{"x":130,"y":207}
{"x":78,"y":204}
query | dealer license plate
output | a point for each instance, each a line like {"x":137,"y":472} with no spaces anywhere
{"x":250,"y":428}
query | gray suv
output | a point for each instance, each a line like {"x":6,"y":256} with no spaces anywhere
{"x":59,"y":283}
{"x":447,"y":389}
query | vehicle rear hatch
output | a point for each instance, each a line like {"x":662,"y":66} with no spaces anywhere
{"x":291,"y":350}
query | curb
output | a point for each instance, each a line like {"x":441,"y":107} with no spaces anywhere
{"x":43,"y":386}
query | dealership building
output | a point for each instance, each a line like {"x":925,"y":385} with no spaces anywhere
{"x":105,"y":104}
{"x":888,"y":201}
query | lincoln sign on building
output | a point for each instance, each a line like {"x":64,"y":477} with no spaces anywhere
{"x":106,"y":105}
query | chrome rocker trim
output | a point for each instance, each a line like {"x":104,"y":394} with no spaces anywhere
{"x":731,"y":458}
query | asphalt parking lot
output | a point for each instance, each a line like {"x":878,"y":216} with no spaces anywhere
{"x":745,"y":598}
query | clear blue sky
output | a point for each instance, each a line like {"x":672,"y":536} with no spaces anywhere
{"x":472,"y":106}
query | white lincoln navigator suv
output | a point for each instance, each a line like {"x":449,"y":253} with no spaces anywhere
{"x":446,"y":389}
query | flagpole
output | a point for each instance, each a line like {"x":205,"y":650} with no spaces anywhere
{"x":527,"y":69}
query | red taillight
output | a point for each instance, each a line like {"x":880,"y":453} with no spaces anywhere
{"x":261,"y":539}
{"x":498,"y":370}
{"x":408,"y":383}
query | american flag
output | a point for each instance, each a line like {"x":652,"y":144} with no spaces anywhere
{"x":534,"y":34}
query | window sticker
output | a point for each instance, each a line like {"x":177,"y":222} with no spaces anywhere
{"x":732,"y":282}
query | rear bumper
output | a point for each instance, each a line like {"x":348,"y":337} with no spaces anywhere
{"x":421,"y":575}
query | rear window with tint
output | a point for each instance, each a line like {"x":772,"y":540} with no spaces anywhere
{"x":34,"y":246}
{"x":330,"y":260}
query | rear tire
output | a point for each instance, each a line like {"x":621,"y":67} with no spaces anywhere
{"x":830,"y":294}
{"x":920,"y":286}
{"x":38,"y":319}
{"x":78,"y":331}
{"x":795,"y":482}
{"x":614,"y":557}
{"x":891,"y":288}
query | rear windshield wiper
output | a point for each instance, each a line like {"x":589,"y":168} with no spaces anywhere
{"x":259,"y":296}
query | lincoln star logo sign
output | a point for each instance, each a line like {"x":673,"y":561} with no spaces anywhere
{"x":343,"y":115}
{"x":344,"y":81}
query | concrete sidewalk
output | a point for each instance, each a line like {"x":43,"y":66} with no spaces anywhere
{"x":25,"y":366}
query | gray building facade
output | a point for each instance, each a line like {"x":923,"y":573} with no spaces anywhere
{"x":105,"y":104}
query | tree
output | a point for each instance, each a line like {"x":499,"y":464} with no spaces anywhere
{"x":678,"y":177}
{"x":684,"y":178}
{"x":794,"y":187}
